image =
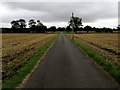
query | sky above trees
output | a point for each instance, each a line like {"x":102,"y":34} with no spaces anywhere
{"x":96,"y":14}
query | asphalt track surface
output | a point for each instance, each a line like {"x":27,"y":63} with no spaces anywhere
{"x":66,"y":66}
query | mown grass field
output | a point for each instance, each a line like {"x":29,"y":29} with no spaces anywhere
{"x":18,"y":49}
{"x":104,"y":44}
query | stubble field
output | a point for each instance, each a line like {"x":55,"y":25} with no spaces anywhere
{"x":17,"y":49}
{"x":104,"y":44}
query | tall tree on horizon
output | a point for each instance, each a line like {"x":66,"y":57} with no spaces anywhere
{"x":75,"y":22}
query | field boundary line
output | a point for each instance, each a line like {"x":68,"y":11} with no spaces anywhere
{"x":21,"y":85}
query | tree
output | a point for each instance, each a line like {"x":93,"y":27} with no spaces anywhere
{"x":118,"y":27}
{"x":75,"y":22}
{"x":40,"y":27}
{"x":61,"y":29}
{"x":39,"y":24}
{"x":22,"y":23}
{"x":32,"y":23}
{"x":68,"y":29}
{"x":88,"y":28}
{"x":52,"y":28}
{"x":15,"y":24}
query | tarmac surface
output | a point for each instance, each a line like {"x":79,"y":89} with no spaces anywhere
{"x":66,"y":66}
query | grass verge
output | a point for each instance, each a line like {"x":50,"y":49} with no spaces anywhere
{"x":18,"y":78}
{"x":113,"y":70}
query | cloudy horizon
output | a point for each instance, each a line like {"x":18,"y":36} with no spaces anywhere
{"x":95,"y":14}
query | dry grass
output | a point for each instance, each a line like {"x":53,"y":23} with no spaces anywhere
{"x":19,"y":48}
{"x":105,"y":44}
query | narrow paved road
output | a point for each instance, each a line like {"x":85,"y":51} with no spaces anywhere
{"x":65,"y":66}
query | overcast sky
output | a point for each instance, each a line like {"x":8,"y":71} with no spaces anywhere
{"x":95,"y":14}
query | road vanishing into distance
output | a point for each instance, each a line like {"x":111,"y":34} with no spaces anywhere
{"x":66,"y":66}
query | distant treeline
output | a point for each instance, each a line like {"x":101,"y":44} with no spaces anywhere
{"x":44,"y":29}
{"x":75,"y":25}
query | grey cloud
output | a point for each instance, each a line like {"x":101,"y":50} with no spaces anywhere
{"x":61,"y":11}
